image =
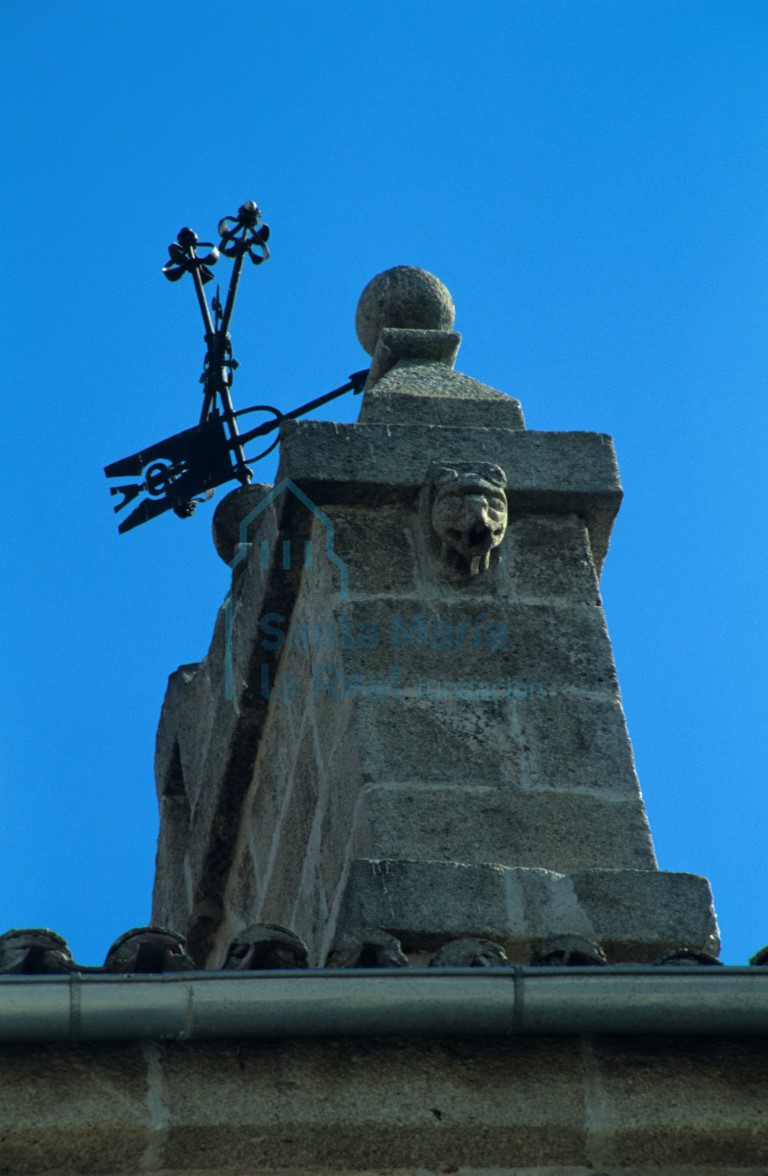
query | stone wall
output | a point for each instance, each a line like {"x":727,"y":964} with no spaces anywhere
{"x":527,"y":1106}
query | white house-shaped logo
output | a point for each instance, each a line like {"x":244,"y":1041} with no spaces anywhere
{"x":284,"y":552}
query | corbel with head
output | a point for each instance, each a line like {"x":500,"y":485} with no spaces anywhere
{"x":467,"y":514}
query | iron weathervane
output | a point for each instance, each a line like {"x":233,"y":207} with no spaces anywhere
{"x":183,"y":470}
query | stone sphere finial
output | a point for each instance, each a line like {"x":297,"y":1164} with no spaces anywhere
{"x":405,"y":297}
{"x":231,"y":512}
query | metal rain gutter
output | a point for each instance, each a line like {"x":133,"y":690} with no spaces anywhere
{"x":375,"y":1002}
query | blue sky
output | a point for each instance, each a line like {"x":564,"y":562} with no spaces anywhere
{"x":589,"y":180}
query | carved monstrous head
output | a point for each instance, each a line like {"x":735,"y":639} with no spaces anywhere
{"x":469,"y":513}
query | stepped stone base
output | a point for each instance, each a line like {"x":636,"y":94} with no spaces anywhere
{"x":636,"y":915}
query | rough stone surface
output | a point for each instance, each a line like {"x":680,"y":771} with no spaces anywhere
{"x":231,"y":513}
{"x":633,"y":906}
{"x":576,"y":743}
{"x":399,"y":348}
{"x":74,"y":1109}
{"x":427,"y":903}
{"x":385,"y":464}
{"x":653,"y":1106}
{"x":557,"y":832}
{"x":381,"y":545}
{"x":551,"y":559}
{"x":649,"y":1088}
{"x":536,"y":463}
{"x":351,"y":1105}
{"x":411,"y":382}
{"x":403,"y":296}
{"x":443,"y":640}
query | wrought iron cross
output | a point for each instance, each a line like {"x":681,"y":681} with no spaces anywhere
{"x":183,"y":470}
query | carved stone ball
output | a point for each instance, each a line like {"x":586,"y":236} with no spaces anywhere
{"x":404,"y":297}
{"x":230,"y":513}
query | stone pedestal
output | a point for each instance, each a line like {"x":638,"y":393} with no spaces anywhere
{"x":409,"y":718}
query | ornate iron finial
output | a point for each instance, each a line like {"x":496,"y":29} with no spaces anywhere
{"x":183,"y":470}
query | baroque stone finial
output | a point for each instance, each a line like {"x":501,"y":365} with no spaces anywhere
{"x":403,"y":297}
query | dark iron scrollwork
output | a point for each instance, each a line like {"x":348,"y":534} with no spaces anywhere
{"x":177,"y":473}
{"x":243,"y":234}
{"x":184,"y":257}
